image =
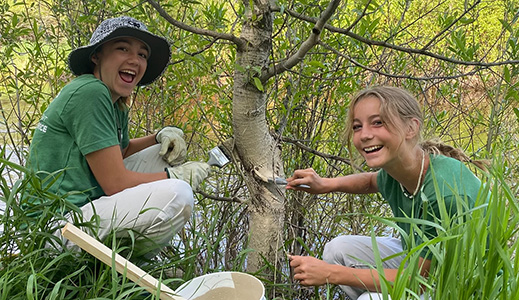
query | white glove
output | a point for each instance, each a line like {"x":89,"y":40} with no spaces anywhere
{"x":173,"y":147}
{"x":192,"y":172}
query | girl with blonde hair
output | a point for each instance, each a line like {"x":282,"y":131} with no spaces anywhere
{"x":384,"y":125}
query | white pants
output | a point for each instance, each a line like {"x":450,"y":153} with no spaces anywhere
{"x":357,"y":252}
{"x":154,"y":212}
{"x":376,"y":296}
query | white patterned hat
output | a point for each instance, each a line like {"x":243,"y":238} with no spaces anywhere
{"x":80,"y":61}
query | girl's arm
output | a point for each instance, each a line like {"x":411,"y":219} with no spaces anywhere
{"x":311,"y":271}
{"x":139,"y":144}
{"x":109,"y":170}
{"x":361,"y":183}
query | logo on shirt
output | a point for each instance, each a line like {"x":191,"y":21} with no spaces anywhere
{"x":41,"y":126}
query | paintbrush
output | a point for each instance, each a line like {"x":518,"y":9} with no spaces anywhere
{"x":283,"y":181}
{"x":217,"y":157}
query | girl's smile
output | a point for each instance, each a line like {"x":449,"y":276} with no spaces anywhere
{"x":371,"y":137}
{"x":120,"y":64}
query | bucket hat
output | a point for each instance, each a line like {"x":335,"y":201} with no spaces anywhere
{"x":80,"y":62}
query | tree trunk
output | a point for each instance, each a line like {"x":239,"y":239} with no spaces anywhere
{"x":256,"y":148}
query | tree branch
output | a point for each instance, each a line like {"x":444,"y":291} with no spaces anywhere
{"x":396,"y":47}
{"x":312,"y":40}
{"x":218,"y":35}
{"x":452,"y":24}
{"x":217,"y":198}
{"x":211,"y":43}
{"x":353,"y":61}
{"x":318,"y":153}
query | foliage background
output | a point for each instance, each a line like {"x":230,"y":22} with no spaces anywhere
{"x":469,"y":96}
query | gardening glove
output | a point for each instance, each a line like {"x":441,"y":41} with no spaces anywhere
{"x":173,"y":147}
{"x":192,"y":172}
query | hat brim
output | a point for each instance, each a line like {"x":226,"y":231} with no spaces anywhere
{"x":80,"y":61}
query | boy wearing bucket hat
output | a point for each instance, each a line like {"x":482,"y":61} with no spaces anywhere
{"x":121,"y":184}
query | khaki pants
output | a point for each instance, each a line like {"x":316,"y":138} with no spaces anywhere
{"x":154,"y":212}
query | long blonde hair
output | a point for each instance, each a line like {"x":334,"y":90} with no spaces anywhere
{"x":397,"y":108}
{"x":436,"y":146}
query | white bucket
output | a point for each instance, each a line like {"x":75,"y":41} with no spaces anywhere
{"x":223,"y":286}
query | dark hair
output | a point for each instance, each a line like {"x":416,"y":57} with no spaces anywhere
{"x":122,"y":102}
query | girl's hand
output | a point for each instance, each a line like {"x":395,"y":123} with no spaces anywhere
{"x":173,"y":147}
{"x":308,"y":177}
{"x":309,"y":270}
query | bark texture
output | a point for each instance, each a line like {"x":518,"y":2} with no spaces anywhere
{"x":254,"y":144}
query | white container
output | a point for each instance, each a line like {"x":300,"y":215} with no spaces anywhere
{"x":223,"y":286}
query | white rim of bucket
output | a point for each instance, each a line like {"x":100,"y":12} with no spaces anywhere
{"x":202,"y":277}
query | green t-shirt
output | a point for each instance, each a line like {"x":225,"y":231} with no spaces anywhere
{"x":80,"y":120}
{"x":452,"y":177}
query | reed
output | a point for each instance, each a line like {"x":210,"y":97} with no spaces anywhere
{"x":474,"y":254}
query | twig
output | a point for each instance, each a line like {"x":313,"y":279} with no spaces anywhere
{"x":218,"y":198}
{"x":218,"y":35}
{"x":310,"y":42}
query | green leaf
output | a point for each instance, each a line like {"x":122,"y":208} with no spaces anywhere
{"x":315,"y":63}
{"x":506,"y":25}
{"x":258,"y":84}
{"x":466,"y":21}
{"x":30,"y":286}
{"x":506,"y":74}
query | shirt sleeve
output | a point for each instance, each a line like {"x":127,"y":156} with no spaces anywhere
{"x":90,"y":118}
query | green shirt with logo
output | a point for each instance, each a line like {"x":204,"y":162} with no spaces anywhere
{"x":80,"y":120}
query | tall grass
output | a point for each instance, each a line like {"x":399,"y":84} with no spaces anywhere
{"x":303,"y":112}
{"x":476,"y":259}
{"x":32,"y":269}
{"x":474,"y":254}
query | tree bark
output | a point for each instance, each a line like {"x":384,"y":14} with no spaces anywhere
{"x":256,"y":148}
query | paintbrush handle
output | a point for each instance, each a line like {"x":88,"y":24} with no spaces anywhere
{"x":122,"y":265}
